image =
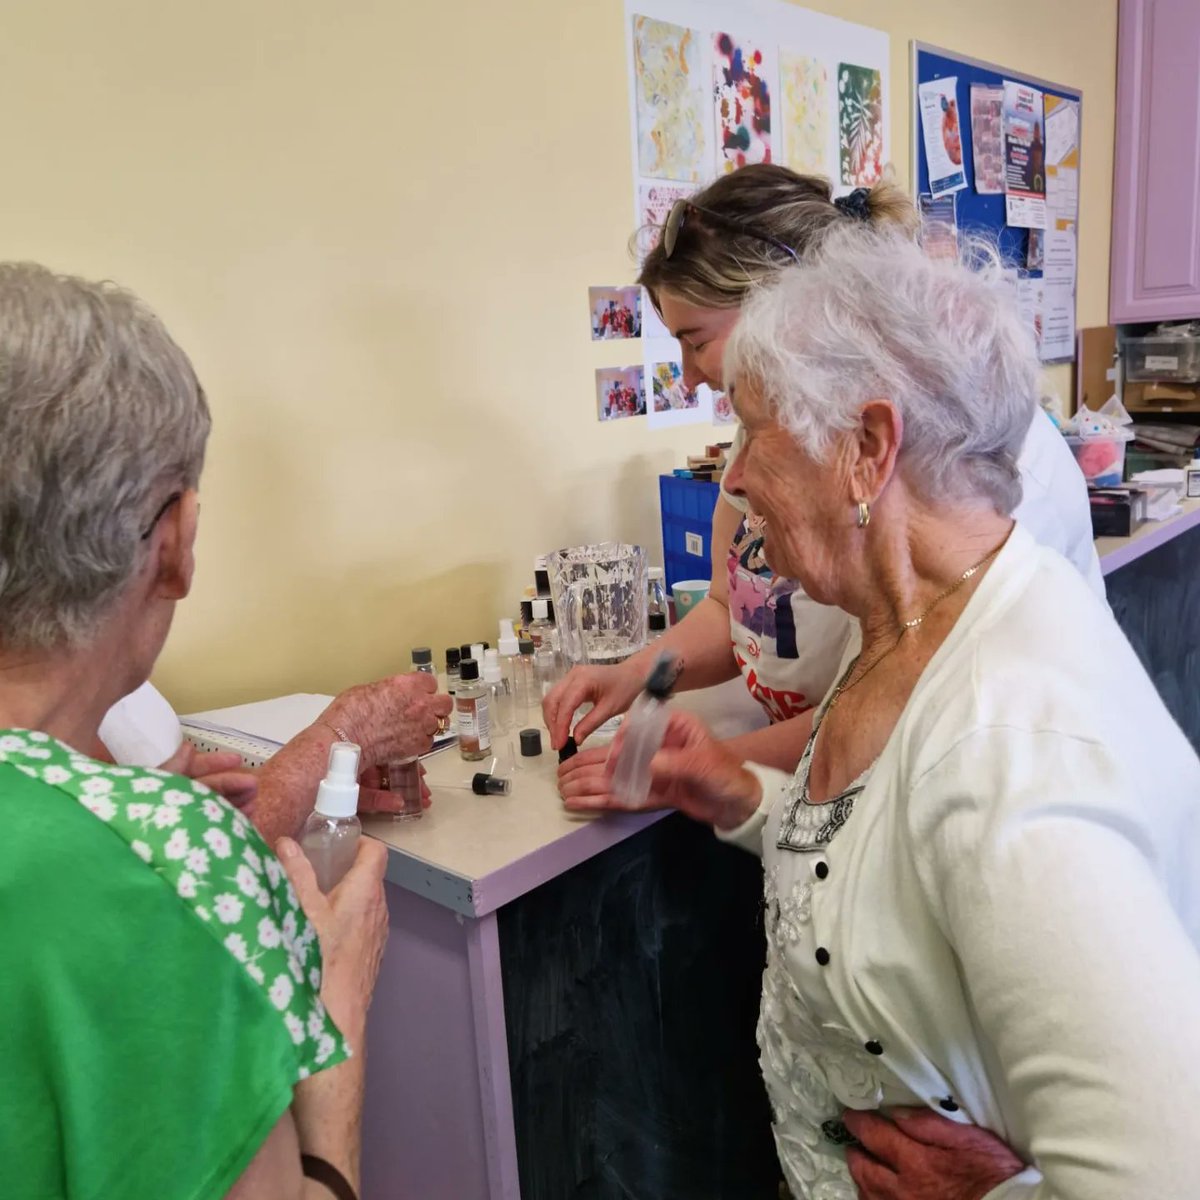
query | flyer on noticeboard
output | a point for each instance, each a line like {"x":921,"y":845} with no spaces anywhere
{"x":1024,"y":156}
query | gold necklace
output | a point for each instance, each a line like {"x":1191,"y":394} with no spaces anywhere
{"x":905,"y":626}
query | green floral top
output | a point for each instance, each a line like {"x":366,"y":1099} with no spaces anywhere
{"x":159,"y":982}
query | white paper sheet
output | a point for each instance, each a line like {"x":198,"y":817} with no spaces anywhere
{"x":1062,"y":131}
{"x":942,"y":135}
{"x":1058,"y":319}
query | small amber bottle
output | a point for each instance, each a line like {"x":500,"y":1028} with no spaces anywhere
{"x":471,"y":713}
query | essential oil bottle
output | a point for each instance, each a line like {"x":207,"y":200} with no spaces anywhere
{"x":471,"y":713}
{"x":453,"y":658}
{"x":499,"y":692}
{"x":422,"y":660}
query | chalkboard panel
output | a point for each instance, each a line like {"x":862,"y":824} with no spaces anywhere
{"x":1156,"y":600}
{"x":631,"y":990}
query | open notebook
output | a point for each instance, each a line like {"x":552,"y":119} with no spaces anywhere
{"x":257,"y":730}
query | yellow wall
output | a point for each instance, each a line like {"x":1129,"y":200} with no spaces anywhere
{"x":372,"y":226}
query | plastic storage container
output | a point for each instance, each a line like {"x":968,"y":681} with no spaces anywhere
{"x":1161,"y":358}
{"x":687,"y":509}
{"x":1101,"y":459}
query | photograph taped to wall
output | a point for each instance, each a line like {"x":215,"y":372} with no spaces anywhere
{"x":804,"y":113}
{"x":620,"y":393}
{"x":669,"y":73}
{"x":616,"y":313}
{"x":742,"y":98}
{"x":670,"y":392}
{"x":860,"y":125}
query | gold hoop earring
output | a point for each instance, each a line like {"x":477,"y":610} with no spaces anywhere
{"x":864,"y":514}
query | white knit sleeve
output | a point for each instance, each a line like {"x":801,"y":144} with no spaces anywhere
{"x":1036,"y":859}
{"x":749,"y":834}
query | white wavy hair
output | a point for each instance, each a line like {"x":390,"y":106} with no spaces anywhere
{"x":869,"y":315}
{"x":101,"y":418}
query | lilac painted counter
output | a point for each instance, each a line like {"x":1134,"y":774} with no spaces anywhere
{"x":438,"y":1119}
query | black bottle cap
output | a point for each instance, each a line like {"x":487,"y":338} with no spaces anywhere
{"x":465,"y":651}
{"x":662,"y":676}
{"x":468,"y":670}
{"x":658,"y":622}
{"x":525,"y":646}
{"x":526,"y":611}
{"x":453,"y":657}
{"x":569,"y":750}
{"x":422,"y":656}
{"x":483,"y":784}
{"x":531,"y":743}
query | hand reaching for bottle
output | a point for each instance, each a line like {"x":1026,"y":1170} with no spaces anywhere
{"x":692,"y":772}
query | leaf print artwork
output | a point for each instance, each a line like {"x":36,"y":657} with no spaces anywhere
{"x":860,"y":125}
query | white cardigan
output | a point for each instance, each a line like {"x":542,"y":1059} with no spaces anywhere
{"x":1012,"y":910}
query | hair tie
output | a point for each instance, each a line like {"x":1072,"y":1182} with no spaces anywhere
{"x":857,"y":204}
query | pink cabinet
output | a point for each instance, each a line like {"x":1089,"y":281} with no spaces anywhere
{"x":1156,"y":175}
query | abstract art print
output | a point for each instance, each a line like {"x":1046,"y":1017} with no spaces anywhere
{"x":669,"y":86}
{"x":860,"y":125}
{"x":742,"y":95}
{"x":804,"y":121}
{"x":670,"y":392}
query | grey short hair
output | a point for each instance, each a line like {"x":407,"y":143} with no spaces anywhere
{"x":101,"y":418}
{"x":869,"y":315}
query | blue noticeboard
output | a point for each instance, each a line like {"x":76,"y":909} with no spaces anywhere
{"x":976,"y":213}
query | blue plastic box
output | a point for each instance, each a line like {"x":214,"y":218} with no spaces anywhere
{"x":687,"y":509}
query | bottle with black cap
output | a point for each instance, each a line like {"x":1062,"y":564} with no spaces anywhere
{"x":471,"y":713}
{"x":643,"y":732}
{"x":422,"y":660}
{"x":658,"y":625}
{"x":453,"y":658}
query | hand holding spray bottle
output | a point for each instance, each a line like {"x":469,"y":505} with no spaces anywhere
{"x":642,"y":733}
{"x":331,"y":833}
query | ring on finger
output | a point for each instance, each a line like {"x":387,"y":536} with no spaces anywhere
{"x":443,"y":725}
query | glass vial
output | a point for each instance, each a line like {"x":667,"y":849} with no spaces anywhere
{"x":658,"y":625}
{"x":471,"y":714}
{"x":453,"y":658}
{"x":528,"y":696}
{"x":656,"y":599}
{"x":500,"y":696}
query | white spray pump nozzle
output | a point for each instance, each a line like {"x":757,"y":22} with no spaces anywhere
{"x":491,"y":666}
{"x":338,"y":794}
{"x":508,"y":639}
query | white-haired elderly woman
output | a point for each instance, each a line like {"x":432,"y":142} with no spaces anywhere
{"x":167,"y":1029}
{"x":983,"y":879}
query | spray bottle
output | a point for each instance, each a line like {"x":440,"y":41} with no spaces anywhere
{"x":643,"y":732}
{"x":331,"y":833}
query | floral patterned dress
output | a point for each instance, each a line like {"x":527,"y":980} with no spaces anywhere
{"x":158,"y":979}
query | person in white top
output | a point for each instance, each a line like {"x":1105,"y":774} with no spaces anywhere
{"x":982,"y":881}
{"x":715,"y":250}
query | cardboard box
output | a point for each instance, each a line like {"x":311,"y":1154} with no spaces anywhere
{"x":1162,"y":397}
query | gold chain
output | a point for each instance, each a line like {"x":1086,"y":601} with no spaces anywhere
{"x":914,"y":623}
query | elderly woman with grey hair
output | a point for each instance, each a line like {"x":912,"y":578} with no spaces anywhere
{"x":983,"y":879}
{"x":168,"y":1027}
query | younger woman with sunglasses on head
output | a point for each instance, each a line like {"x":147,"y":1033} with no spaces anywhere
{"x":715,"y":248}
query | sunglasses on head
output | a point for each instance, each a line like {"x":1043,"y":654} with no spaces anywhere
{"x":678,"y":215}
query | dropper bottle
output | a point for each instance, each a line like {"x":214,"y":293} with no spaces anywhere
{"x":331,"y":833}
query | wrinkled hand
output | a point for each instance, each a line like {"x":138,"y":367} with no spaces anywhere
{"x":611,"y":689}
{"x":351,"y":924}
{"x":221,"y":770}
{"x":391,"y":719}
{"x":374,"y":799}
{"x":919,"y":1155}
{"x":692,"y":772}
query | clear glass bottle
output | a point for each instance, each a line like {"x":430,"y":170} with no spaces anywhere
{"x":540,"y":628}
{"x":453,"y":658}
{"x":546,"y":667}
{"x":331,"y":833}
{"x":500,"y":698}
{"x":643,"y":732}
{"x":528,"y":696}
{"x":471,"y":714}
{"x":509,"y":650}
{"x":656,"y":599}
{"x":404,"y":774}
